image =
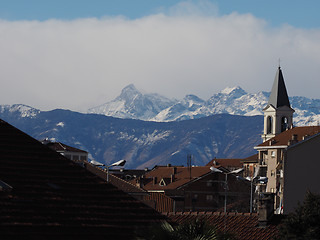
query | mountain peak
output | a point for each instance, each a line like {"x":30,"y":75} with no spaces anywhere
{"x":235,"y":89}
{"x":129,"y":92}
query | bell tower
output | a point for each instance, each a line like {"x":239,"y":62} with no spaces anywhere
{"x":278,"y":113}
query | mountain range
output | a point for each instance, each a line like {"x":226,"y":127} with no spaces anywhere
{"x":149,"y":129}
{"x":141,"y":143}
{"x":133,"y":104}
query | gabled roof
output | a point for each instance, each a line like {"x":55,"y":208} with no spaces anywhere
{"x":179,"y":175}
{"x":279,"y":96}
{"x":282,"y":139}
{"x":52,"y":197}
{"x":245,"y":226}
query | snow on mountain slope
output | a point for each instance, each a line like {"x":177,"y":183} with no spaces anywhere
{"x":133,"y":104}
{"x":152,"y":107}
{"x":19,"y":109}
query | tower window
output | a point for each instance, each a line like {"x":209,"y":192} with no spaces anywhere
{"x":284,"y":124}
{"x":269,"y":125}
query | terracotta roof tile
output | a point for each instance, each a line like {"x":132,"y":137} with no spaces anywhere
{"x":283,"y":138}
{"x":244,"y":225}
{"x":159,"y":201}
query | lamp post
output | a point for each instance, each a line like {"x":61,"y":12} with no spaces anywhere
{"x":98,"y":164}
{"x":213,"y":169}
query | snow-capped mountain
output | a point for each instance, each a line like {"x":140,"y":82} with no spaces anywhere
{"x":133,"y":104}
{"x":152,"y":107}
{"x":19,"y":110}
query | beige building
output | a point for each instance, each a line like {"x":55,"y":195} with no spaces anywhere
{"x":288,"y":156}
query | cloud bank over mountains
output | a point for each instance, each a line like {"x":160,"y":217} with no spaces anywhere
{"x":78,"y":64}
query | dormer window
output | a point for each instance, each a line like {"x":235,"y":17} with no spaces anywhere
{"x":162,"y":183}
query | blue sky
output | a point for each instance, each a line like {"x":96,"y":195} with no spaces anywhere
{"x":298,"y":13}
{"x":77,"y":54}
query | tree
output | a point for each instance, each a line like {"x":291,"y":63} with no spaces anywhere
{"x":304,"y":223}
{"x":195,"y":230}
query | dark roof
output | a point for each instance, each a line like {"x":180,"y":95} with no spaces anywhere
{"x":251,"y":159}
{"x":61,"y":147}
{"x":299,"y":133}
{"x":226,"y":163}
{"x":51,"y":197}
{"x":164,"y":174}
{"x":244,"y":225}
{"x":114,"y":180}
{"x":279,"y":96}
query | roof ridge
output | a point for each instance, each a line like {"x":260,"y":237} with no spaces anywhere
{"x":117,"y":178}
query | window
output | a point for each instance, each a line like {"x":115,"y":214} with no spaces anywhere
{"x":269,"y":125}
{"x":162,"y":183}
{"x":284,"y":124}
{"x":273,"y":153}
{"x":272,"y":173}
{"x":209,"y":183}
{"x":209,"y":198}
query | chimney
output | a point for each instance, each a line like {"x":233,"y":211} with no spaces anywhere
{"x":305,"y":137}
{"x":139,"y":182}
{"x":174,"y":170}
{"x":265,"y":208}
{"x":154,"y":180}
{"x":294,"y":139}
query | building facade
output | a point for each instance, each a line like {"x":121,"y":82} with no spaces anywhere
{"x":288,"y":156}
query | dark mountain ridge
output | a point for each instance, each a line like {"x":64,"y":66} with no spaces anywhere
{"x":144,"y":143}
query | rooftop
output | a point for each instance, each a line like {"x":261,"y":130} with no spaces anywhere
{"x":295,"y":134}
{"x":46,"y":195}
{"x":244,"y":225}
{"x":171,"y":177}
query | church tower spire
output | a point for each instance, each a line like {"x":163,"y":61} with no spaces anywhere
{"x":278,"y":113}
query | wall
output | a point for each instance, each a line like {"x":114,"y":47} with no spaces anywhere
{"x":301,"y":172}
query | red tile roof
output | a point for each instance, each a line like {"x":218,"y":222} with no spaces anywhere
{"x":228,"y":163}
{"x":159,"y":201}
{"x":283,"y":138}
{"x":244,"y":225}
{"x":164,"y":174}
{"x":53,"y":197}
{"x":251,"y":159}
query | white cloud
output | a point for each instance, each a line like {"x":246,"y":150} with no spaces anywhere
{"x":85,"y":62}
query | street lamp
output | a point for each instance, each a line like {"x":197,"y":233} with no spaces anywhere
{"x":98,"y":164}
{"x":213,"y":169}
